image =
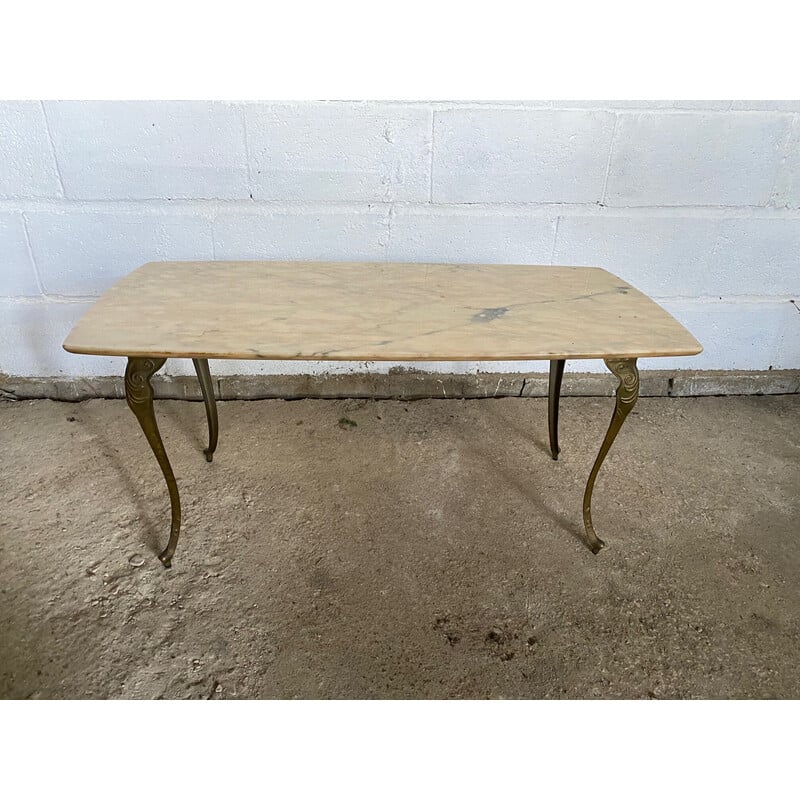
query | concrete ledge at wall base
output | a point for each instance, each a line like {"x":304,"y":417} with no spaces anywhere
{"x":404,"y":384}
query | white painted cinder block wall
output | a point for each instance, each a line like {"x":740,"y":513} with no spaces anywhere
{"x":695,"y":203}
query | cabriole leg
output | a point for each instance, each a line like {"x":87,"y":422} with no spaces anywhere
{"x":139,"y":394}
{"x":627,"y":394}
{"x":553,"y":396}
{"x":204,"y":376}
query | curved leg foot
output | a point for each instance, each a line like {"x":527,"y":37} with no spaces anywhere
{"x":204,"y":376}
{"x":553,"y":396}
{"x":627,"y":395}
{"x":139,"y":394}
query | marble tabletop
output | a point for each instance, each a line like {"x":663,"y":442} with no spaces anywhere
{"x":376,"y":312}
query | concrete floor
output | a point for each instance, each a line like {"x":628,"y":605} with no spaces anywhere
{"x":430,"y":550}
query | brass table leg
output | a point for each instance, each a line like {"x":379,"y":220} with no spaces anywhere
{"x":556,"y":374}
{"x":139,"y":394}
{"x":204,"y":376}
{"x":627,"y":395}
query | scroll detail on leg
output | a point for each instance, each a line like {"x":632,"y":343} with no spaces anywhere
{"x":204,"y":376}
{"x":627,"y":395}
{"x":139,"y":394}
{"x":553,"y":397}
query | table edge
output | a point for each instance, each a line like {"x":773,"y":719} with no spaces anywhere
{"x":689,"y":350}
{"x":97,"y":351}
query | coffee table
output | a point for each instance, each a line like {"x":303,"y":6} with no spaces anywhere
{"x":330,"y":311}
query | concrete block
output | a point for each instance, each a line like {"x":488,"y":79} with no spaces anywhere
{"x":84,"y":252}
{"x":614,"y":104}
{"x":627,"y":105}
{"x":141,"y":150}
{"x":736,"y":335}
{"x":27,"y":166}
{"x":69,"y":389}
{"x":580,"y":383}
{"x":686,"y":256}
{"x":300,"y":234}
{"x":520,"y":156}
{"x":670,"y":383}
{"x":787,"y":183}
{"x":340,"y":152}
{"x":702,"y":105}
{"x":765,"y":105}
{"x":407,"y":385}
{"x":469,"y":236}
{"x":705,"y":383}
{"x":31,"y":335}
{"x":17,"y":278}
{"x":695,"y":159}
{"x":576,"y":382}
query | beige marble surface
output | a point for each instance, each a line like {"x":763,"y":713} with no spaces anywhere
{"x":376,"y":312}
